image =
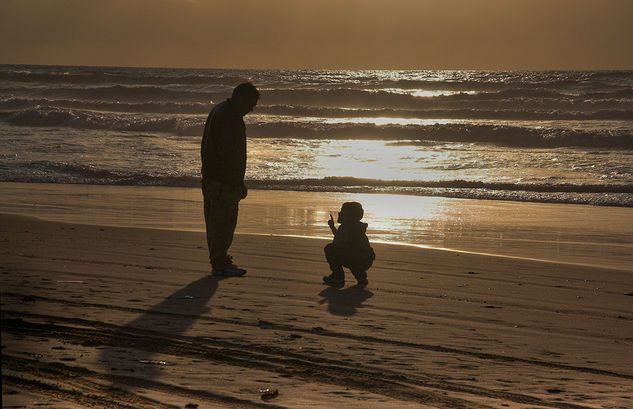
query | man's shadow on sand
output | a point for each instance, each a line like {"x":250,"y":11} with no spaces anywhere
{"x":133,"y":348}
{"x":344,"y":301}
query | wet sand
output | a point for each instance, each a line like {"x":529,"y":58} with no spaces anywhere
{"x":577,"y":234}
{"x":95,"y":315}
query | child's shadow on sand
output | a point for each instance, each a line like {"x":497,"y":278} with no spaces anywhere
{"x":344,"y":301}
{"x":156,"y":329}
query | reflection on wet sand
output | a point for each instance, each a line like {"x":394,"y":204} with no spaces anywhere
{"x":596,"y":235}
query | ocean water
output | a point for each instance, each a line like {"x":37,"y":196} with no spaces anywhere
{"x":564,"y":137}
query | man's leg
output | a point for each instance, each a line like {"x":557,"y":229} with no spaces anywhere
{"x":221,"y":219}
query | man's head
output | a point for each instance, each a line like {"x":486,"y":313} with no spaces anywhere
{"x":244,"y":98}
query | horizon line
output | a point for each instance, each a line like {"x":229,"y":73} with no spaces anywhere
{"x":319,"y":69}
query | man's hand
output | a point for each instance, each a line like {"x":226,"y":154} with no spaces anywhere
{"x":242,"y":191}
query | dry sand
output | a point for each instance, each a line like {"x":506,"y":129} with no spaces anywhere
{"x":114,"y":317}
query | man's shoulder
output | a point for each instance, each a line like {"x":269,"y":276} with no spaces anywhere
{"x":224,"y":109}
{"x":219,"y":107}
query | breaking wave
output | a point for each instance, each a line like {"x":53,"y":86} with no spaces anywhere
{"x":118,"y":106}
{"x":125,"y":93}
{"x":56,"y":172}
{"x":200,"y":108}
{"x":355,"y":98}
{"x":503,"y":135}
{"x":457,"y":113}
{"x":594,"y":194}
{"x":539,"y":98}
{"x":57,"y":117}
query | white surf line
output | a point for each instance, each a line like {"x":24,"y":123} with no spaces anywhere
{"x":425,"y":246}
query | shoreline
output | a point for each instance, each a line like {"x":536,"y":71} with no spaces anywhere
{"x":573,"y":234}
{"x":601,"y":195}
{"x":373,"y":242}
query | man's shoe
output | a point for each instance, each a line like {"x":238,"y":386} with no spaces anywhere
{"x":229,"y":270}
{"x":333,"y":280}
{"x":362,"y":283}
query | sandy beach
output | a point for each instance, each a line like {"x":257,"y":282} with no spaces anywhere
{"x":95,"y":315}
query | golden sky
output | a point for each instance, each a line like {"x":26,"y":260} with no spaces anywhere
{"x":338,"y":34}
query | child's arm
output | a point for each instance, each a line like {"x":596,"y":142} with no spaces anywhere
{"x":331,"y":224}
{"x":342,"y":236}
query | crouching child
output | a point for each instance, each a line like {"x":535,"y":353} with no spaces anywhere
{"x":350,"y":247}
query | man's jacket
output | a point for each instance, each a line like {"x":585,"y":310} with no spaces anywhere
{"x":223,"y":148}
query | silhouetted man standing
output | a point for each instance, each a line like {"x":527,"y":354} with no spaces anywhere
{"x":223,"y":154}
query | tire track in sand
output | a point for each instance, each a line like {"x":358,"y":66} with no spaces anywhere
{"x":328,"y":333}
{"x":421,"y":388}
{"x":86,"y":390}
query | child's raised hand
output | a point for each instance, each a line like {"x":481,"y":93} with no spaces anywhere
{"x":331,"y":224}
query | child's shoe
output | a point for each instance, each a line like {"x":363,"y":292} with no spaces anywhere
{"x":333,"y":280}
